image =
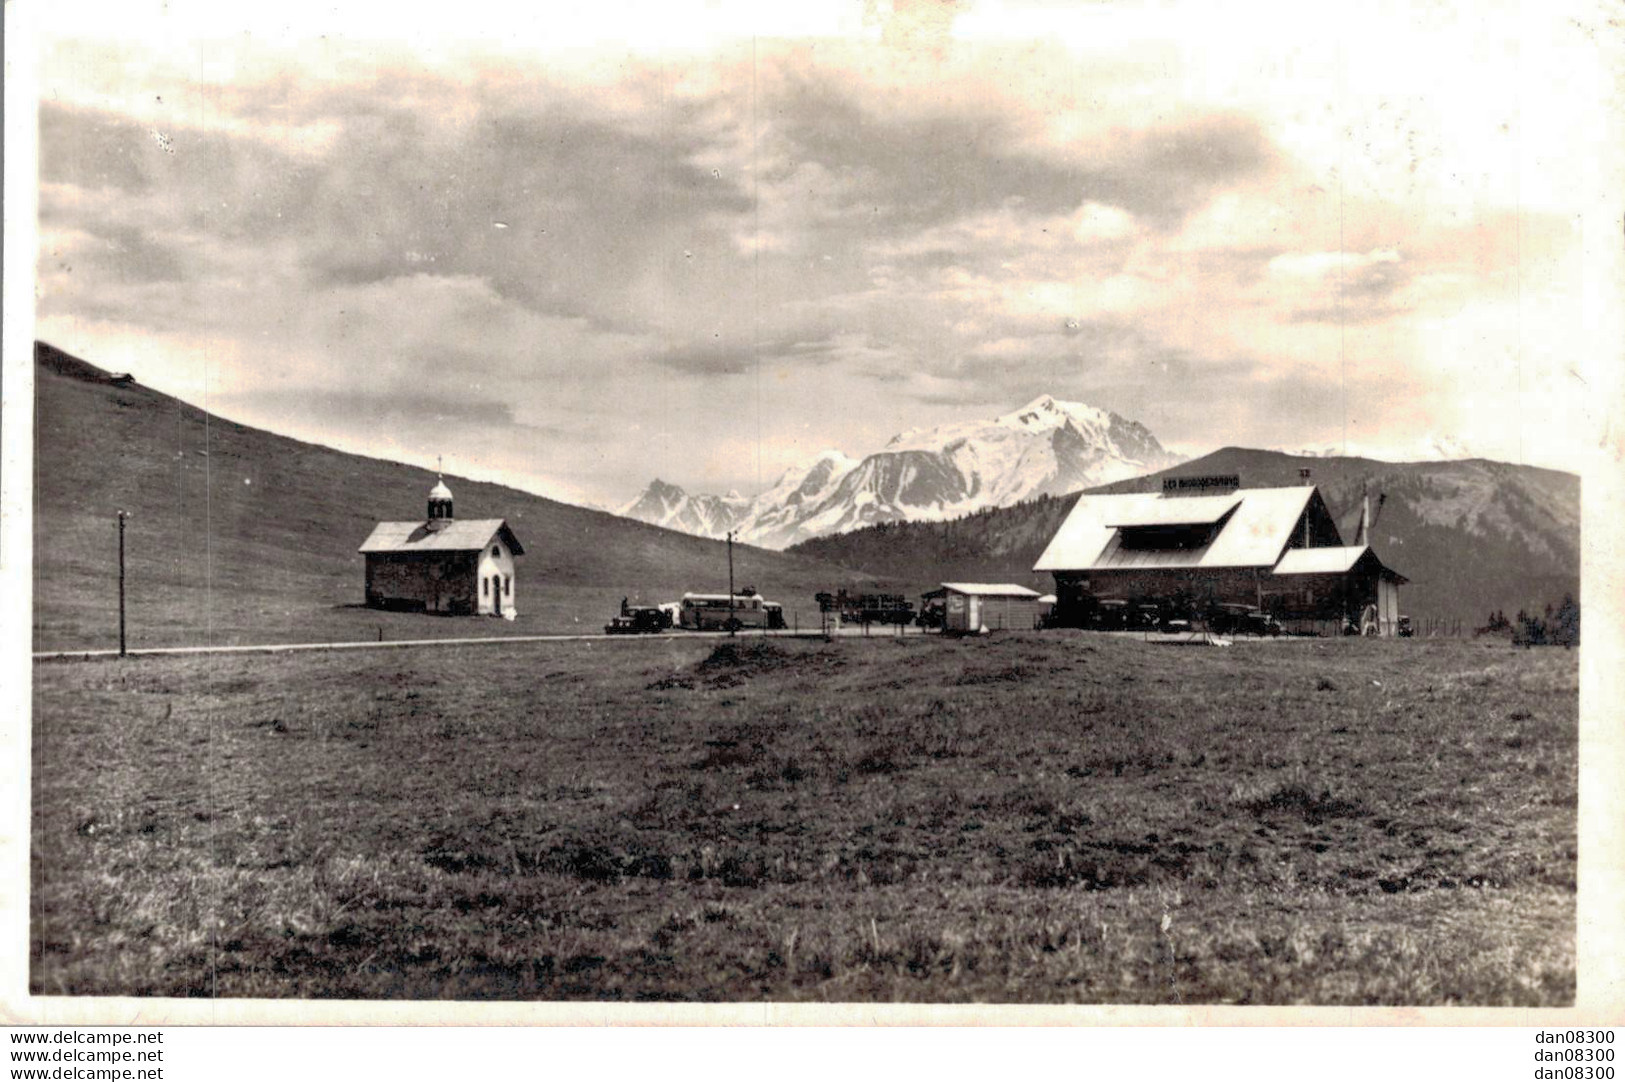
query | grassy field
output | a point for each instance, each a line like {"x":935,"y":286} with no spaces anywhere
{"x":1034,"y":818}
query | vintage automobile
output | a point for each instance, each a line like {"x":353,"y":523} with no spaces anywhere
{"x":1149,"y":616}
{"x":639,"y":620}
{"x":1229,"y":619}
{"x":1262,"y":623}
{"x":1112,"y":614}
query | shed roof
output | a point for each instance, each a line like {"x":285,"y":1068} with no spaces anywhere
{"x":1260,"y":524}
{"x":456,"y":535}
{"x":990,"y":589}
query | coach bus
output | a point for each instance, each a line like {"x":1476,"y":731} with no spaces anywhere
{"x":710,"y":612}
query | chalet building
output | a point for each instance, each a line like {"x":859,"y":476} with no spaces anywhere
{"x":1203,"y":542}
{"x":441,"y":563}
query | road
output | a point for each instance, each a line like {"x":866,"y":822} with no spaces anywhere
{"x":389,"y":644}
{"x":875,"y":632}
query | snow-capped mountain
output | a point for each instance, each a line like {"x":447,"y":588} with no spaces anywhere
{"x":1429,"y":448}
{"x":777,"y":513}
{"x":1047,"y":447}
{"x":669,"y":506}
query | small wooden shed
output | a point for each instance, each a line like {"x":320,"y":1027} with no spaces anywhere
{"x":970,"y":608}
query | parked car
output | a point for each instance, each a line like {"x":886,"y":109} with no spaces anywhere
{"x":1233,"y":619}
{"x":1112,"y":614}
{"x":1145,"y":617}
{"x":638,"y":620}
{"x":1262,"y":623}
{"x":1226,"y":619}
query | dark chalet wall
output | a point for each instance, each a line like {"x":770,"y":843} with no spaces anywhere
{"x":439,"y":583}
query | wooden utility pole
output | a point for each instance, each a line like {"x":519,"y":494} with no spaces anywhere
{"x":121,"y":517}
{"x":730,"y":584}
{"x":1303,"y":474}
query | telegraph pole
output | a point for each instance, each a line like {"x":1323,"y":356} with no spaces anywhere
{"x":121,"y":517}
{"x":730,"y":584}
{"x":1303,"y":472}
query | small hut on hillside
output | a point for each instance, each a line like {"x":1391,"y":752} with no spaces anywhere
{"x":972,"y":607}
{"x":442,"y":564}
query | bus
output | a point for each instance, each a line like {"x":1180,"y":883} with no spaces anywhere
{"x":709,"y":612}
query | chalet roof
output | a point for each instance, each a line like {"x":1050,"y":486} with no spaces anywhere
{"x":1176,"y":511}
{"x":1321,"y":561}
{"x":1331,"y":561}
{"x":449,"y":535}
{"x":989,"y":589}
{"x":1259,"y":524}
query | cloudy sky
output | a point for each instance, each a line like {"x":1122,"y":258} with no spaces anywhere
{"x":578,"y":247}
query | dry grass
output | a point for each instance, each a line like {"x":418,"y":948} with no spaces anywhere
{"x":1032,"y":818}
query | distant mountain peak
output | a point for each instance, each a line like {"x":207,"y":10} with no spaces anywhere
{"x":1430,"y":447}
{"x":1049,"y":405}
{"x":1043,"y":405}
{"x":1047,"y":447}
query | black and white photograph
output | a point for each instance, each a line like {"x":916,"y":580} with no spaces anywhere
{"x":900,"y":503}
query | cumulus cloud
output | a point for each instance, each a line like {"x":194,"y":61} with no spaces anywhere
{"x":535,"y":253}
{"x":1337,"y":287}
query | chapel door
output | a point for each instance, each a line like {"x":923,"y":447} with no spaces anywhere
{"x":496,"y":594}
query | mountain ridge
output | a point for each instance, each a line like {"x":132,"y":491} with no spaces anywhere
{"x":1045,"y":447}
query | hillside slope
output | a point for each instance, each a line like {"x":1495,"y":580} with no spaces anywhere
{"x":1472,"y":536}
{"x":238,"y":535}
